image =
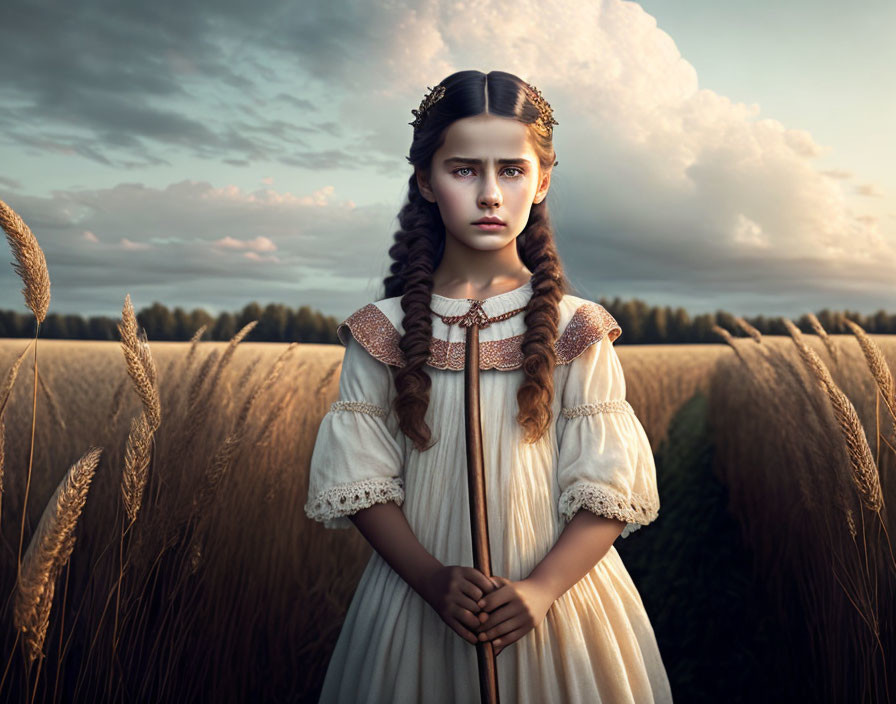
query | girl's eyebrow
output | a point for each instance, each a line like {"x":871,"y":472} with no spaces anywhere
{"x":465,"y":160}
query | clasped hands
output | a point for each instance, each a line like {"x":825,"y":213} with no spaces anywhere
{"x":479,"y":609}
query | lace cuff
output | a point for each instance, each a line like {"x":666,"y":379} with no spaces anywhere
{"x":370,"y":409}
{"x":604,"y":501}
{"x":332,"y":505}
{"x":589,"y":409}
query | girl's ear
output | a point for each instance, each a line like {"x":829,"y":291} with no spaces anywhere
{"x":543,"y":187}
{"x":423,"y":185}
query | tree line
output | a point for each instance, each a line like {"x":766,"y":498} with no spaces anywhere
{"x":640,"y":323}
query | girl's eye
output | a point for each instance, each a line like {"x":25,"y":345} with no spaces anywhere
{"x":509,"y":168}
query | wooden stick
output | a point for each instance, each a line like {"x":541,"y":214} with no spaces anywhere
{"x":485,"y":652}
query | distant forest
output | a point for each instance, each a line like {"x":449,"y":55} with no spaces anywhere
{"x":640,"y":323}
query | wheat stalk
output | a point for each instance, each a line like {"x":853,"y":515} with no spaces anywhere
{"x":5,"y":392}
{"x":117,"y":400}
{"x":48,"y":551}
{"x":327,"y":377}
{"x":874,"y":357}
{"x":140,"y":365}
{"x":231,"y":348}
{"x":201,"y":405}
{"x":194,"y":341}
{"x":142,"y":369}
{"x":51,"y":403}
{"x":749,"y":329}
{"x":825,"y":338}
{"x":31,"y":266}
{"x":136,"y":455}
{"x":725,"y":335}
{"x":145,"y":356}
{"x":11,"y":378}
{"x":247,"y":373}
{"x":223,"y":459}
{"x":864,"y":470}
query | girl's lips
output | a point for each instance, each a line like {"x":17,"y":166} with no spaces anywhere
{"x":489,"y":226}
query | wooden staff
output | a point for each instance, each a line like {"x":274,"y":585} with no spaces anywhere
{"x":482,"y":561}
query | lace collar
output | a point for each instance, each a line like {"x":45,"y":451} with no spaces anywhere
{"x":378,"y":327}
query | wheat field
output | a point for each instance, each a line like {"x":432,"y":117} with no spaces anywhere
{"x":155,"y":548}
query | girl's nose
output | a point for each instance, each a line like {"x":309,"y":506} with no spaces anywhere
{"x":490,"y":196}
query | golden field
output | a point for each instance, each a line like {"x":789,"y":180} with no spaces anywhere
{"x":155,"y":547}
{"x":222,"y":589}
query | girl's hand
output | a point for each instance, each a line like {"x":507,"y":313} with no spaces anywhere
{"x":453,"y":590}
{"x":511,"y":611}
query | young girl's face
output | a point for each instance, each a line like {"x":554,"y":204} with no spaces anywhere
{"x":485,"y":167}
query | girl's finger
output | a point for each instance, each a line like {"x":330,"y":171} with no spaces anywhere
{"x":467,"y":603}
{"x":502,"y":629}
{"x":463,"y":632}
{"x":500,"y":596}
{"x":470,"y":620}
{"x":510,"y":638}
{"x":480,"y":580}
{"x":499,"y":616}
{"x":470,"y":589}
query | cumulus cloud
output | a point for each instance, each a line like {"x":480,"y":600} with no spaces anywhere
{"x":664,"y":190}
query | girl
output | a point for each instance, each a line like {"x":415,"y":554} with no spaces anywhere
{"x":562,"y":612}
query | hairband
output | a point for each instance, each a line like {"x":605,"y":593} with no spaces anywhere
{"x":544,"y":123}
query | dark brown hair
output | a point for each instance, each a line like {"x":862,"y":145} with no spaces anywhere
{"x":420,"y":244}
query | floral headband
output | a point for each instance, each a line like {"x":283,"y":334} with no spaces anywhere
{"x":544,"y":123}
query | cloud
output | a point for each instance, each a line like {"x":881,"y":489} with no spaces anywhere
{"x":258,"y":244}
{"x":191,"y":244}
{"x":663,"y":188}
{"x":871,"y":190}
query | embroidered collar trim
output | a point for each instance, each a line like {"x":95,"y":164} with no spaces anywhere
{"x":373,"y":329}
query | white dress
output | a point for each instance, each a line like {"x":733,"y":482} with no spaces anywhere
{"x":596,"y":643}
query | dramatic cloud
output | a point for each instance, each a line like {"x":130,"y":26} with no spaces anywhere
{"x":194,"y":245}
{"x":664,"y":190}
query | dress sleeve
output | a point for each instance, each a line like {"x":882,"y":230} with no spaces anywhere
{"x":605,"y":463}
{"x":356,"y":461}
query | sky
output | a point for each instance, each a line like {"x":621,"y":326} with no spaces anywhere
{"x":714,"y":156}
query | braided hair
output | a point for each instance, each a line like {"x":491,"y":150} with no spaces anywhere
{"x":420,"y":243}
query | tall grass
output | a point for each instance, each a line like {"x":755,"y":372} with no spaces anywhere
{"x":120,"y":636}
{"x":811,"y":497}
{"x":191,"y":573}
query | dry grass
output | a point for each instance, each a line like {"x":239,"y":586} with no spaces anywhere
{"x":864,"y":469}
{"x":30,"y":264}
{"x":221,"y":528}
{"x":874,"y":358}
{"x":142,"y":370}
{"x":219,"y":587}
{"x":195,"y":499}
{"x":811,"y":499}
{"x":49,"y":551}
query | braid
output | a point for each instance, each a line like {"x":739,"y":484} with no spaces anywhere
{"x":414,"y":252}
{"x":536,"y":393}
